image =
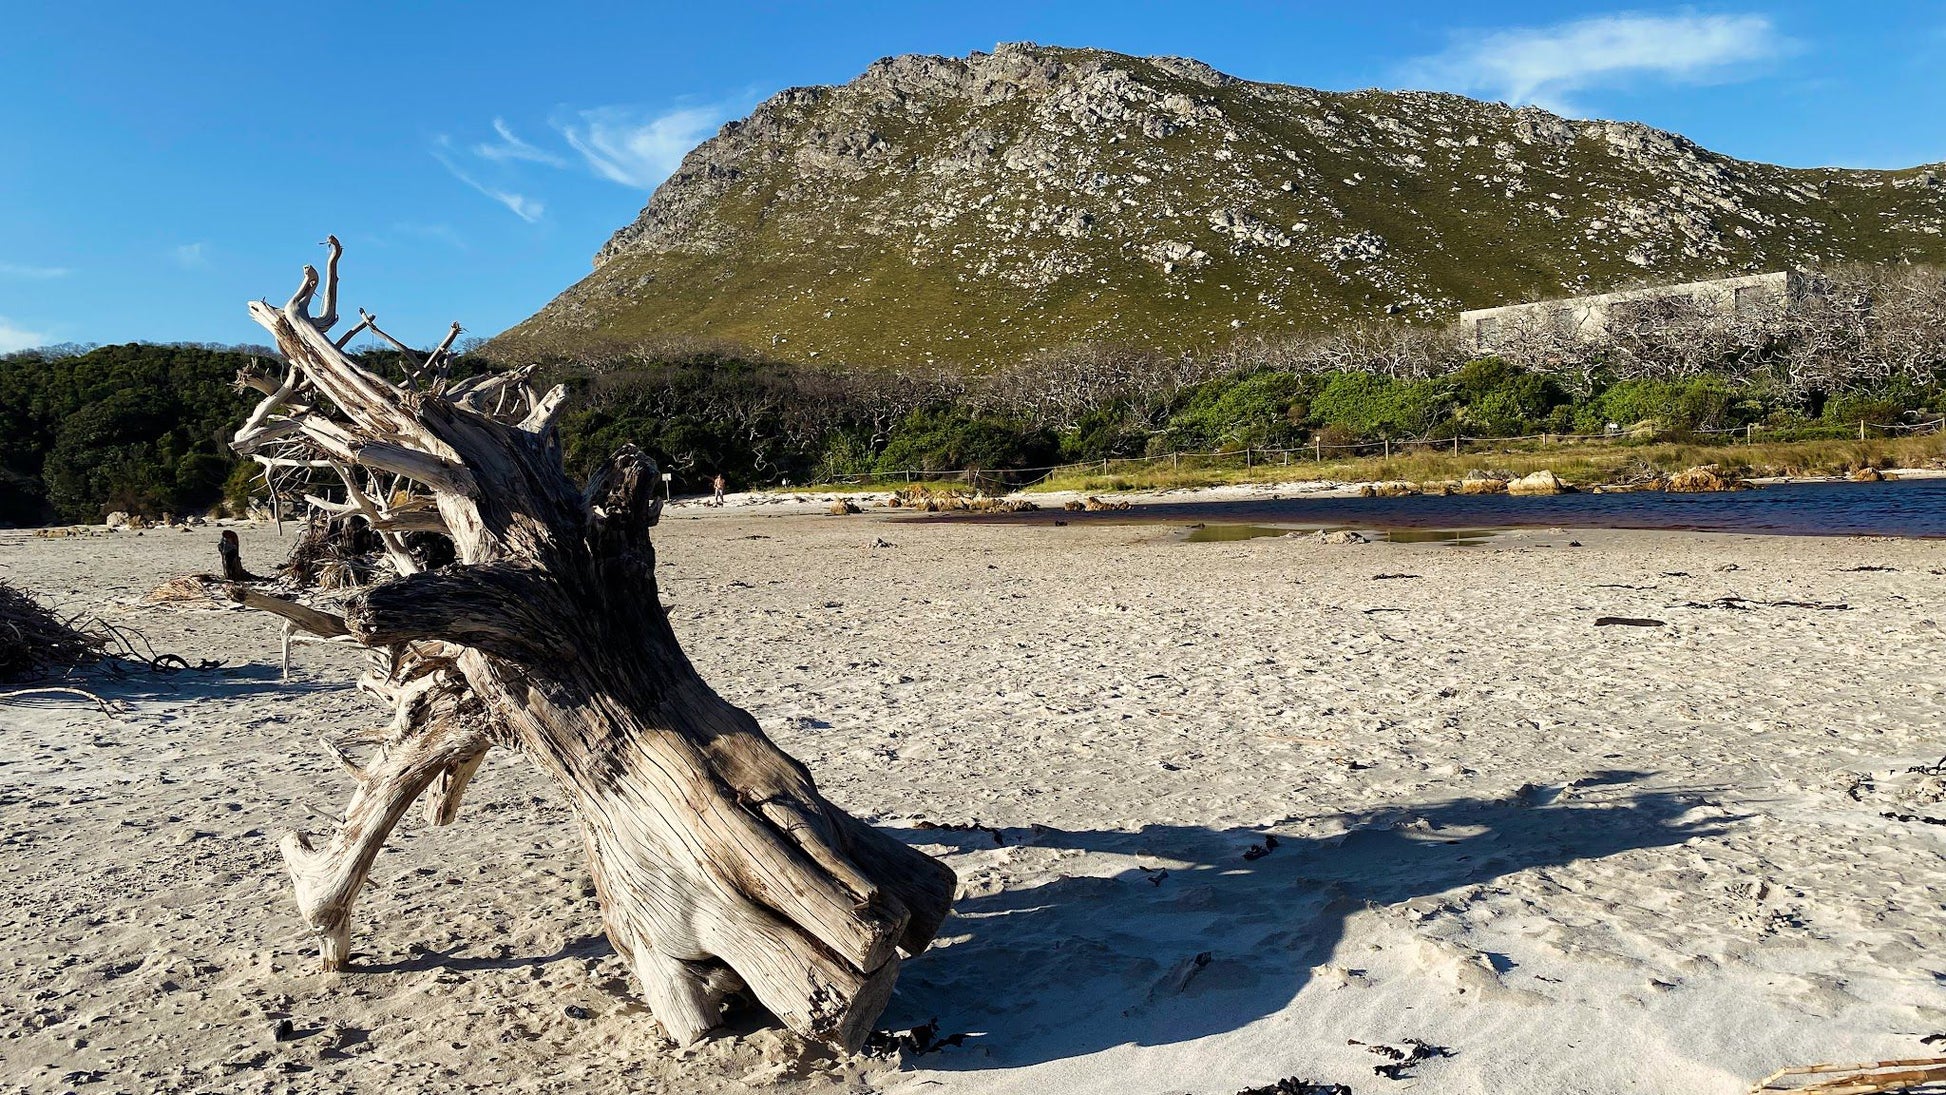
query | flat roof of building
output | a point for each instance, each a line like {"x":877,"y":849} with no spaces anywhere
{"x":1646,"y":292}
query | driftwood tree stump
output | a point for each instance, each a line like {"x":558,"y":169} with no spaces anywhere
{"x":719,"y":867}
{"x":230,"y":550}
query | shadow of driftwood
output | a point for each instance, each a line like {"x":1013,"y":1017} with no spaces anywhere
{"x":1087,"y":962}
{"x":426,"y":958}
{"x":219,"y":682}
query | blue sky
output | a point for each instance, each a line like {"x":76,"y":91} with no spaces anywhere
{"x":162,"y":163}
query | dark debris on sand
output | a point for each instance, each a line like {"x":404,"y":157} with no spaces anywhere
{"x":34,"y":642}
{"x":1292,"y":1085}
{"x":1399,"y":1062}
{"x":921,"y":1039}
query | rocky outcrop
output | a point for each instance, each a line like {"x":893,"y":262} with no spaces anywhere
{"x":1540,"y":482}
{"x":969,"y":210}
{"x":1388,"y":489}
{"x":1703,"y":479}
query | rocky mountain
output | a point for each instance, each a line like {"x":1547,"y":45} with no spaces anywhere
{"x":968,"y":211}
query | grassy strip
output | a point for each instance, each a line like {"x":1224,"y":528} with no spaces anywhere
{"x":1582,"y":465}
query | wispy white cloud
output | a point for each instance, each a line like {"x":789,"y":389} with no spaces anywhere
{"x":637,"y":149}
{"x":511,"y":147}
{"x":520,"y":205}
{"x":14,"y":337}
{"x":192,"y":256}
{"x":627,"y":145}
{"x":1548,"y":65}
{"x":33,"y":273}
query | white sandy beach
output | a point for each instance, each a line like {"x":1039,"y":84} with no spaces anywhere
{"x":1581,"y":859}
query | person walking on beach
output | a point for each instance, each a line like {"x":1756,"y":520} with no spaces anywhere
{"x":716,"y":484}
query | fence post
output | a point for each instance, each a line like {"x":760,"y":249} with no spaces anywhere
{"x":1861,"y":429}
{"x":1175,"y":460}
{"x":1749,"y":432}
{"x":1104,"y":465}
{"x":1247,"y":462}
{"x":1317,"y":449}
{"x":1456,"y":444}
{"x":1388,"y":448}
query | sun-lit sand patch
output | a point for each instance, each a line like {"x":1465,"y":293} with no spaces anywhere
{"x":1223,"y":813}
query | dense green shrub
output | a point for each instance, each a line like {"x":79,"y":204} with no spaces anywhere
{"x":1888,"y":405}
{"x":950,"y":437}
{"x":754,"y":423}
{"x":243,"y":485}
{"x":1371,"y":406}
{"x":1253,"y":410}
{"x":134,"y":427}
{"x":1497,"y":399}
{"x":1119,"y":429}
{"x":1670,"y":405}
{"x":848,"y":454}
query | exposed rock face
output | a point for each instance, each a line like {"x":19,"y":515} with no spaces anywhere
{"x":969,"y":210}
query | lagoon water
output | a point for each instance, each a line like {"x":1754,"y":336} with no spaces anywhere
{"x":1912,"y":508}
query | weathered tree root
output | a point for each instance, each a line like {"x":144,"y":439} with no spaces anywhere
{"x":719,"y":866}
{"x":439,"y":741}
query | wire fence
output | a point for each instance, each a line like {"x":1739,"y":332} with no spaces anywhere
{"x":1318,"y":451}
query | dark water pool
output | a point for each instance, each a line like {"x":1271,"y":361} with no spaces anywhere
{"x":1915,"y":507}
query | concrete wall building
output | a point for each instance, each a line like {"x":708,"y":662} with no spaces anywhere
{"x":1588,"y":317}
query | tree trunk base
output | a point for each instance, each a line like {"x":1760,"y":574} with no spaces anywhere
{"x":719,"y":867}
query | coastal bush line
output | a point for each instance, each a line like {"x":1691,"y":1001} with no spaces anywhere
{"x":142,"y":427}
{"x":1587,"y":464}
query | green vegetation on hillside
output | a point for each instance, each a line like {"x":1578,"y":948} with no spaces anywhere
{"x":143,"y":428}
